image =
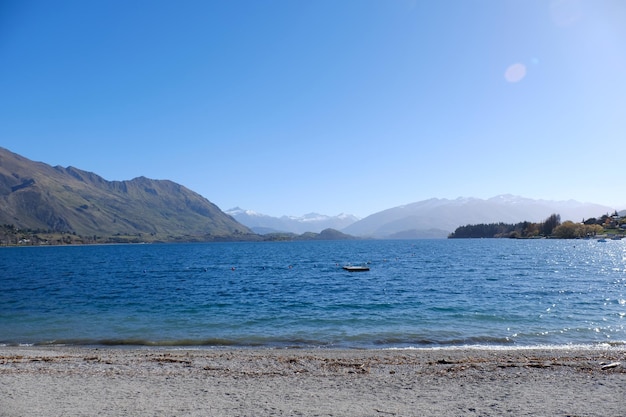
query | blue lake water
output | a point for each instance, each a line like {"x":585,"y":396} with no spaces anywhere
{"x":418,"y":293}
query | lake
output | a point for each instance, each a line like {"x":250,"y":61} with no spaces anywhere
{"x":417,"y":293}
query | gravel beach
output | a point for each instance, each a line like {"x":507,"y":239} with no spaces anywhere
{"x":80,"y":381}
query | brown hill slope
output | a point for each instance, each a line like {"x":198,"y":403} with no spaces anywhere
{"x":35,"y":195}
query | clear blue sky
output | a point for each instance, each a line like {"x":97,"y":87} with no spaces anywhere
{"x":328,"y":106}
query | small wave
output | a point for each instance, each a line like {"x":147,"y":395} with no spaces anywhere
{"x":565,"y":347}
{"x":137,"y":342}
{"x":455,"y":342}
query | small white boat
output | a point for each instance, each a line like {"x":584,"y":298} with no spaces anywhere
{"x":350,"y":268}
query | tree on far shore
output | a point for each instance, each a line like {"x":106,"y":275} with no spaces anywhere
{"x":504,"y":230}
{"x":550,"y":224}
{"x":571,"y":230}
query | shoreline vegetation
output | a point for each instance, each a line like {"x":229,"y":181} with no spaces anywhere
{"x":339,"y":382}
{"x":607,"y":226}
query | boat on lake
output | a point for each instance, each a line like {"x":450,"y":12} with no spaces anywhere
{"x":351,"y":268}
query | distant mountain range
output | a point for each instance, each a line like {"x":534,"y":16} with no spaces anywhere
{"x":37,"y":196}
{"x":429,"y":219}
{"x":312,"y":222}
{"x":34,"y":195}
{"x":438,"y":217}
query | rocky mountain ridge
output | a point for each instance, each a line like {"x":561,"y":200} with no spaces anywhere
{"x":37,"y":196}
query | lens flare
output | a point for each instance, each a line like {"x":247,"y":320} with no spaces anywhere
{"x":515,"y":73}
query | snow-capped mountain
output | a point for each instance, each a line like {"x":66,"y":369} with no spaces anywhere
{"x":446,"y":215}
{"x":312,"y":222}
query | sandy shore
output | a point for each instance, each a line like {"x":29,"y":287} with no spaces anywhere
{"x":66,"y":381}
